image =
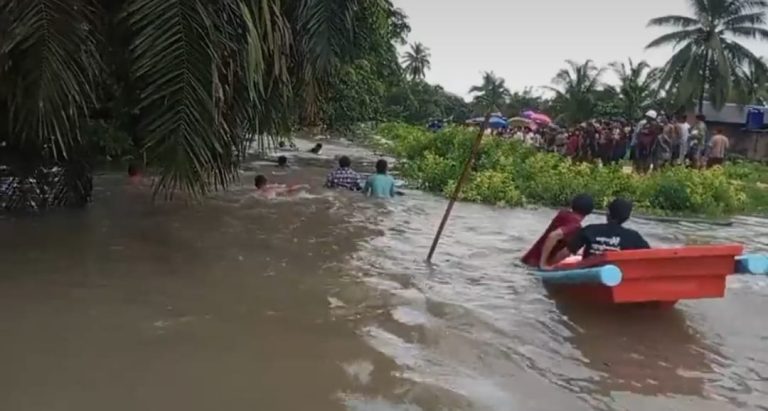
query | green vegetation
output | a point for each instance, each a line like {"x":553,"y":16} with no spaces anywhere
{"x":510,"y":173}
{"x":188,"y":87}
{"x":708,"y":61}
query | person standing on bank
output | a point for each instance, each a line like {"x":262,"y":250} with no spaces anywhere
{"x":718,"y":147}
{"x":701,"y":134}
{"x":683,"y":130}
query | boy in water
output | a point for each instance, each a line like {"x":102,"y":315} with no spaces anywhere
{"x":597,"y":239}
{"x":550,"y":248}
{"x":380,"y":185}
{"x":273,"y":190}
{"x":343,"y":176}
{"x":317,"y":148}
{"x":282,"y":162}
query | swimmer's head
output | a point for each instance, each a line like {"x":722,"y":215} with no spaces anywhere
{"x":345,"y":162}
{"x":282,"y":161}
{"x":381,"y":166}
{"x":260,"y":181}
{"x":133,"y":170}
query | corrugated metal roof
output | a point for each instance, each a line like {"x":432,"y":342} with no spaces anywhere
{"x":730,"y":113}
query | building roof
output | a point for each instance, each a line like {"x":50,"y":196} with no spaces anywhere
{"x":730,"y":113}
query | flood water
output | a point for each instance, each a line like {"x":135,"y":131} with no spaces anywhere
{"x":324,"y":302}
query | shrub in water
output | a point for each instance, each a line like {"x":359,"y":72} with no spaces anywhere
{"x":488,"y":187}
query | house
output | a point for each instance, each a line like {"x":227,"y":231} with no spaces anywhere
{"x":732,"y":118}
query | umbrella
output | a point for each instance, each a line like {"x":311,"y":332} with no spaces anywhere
{"x":494,"y":122}
{"x":528,"y":113}
{"x":541,"y":118}
{"x":519,"y":121}
{"x":497,"y":122}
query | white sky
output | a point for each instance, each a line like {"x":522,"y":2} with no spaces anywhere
{"x":527,"y":41}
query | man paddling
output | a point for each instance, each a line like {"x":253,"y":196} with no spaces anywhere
{"x":550,"y":248}
{"x":597,"y":239}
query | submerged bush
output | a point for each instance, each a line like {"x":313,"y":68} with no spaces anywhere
{"x":510,"y":173}
{"x":488,"y":186}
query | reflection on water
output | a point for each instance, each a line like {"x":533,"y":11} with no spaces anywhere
{"x":642,"y":350}
{"x":323,"y":302}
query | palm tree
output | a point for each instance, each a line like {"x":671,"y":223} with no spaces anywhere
{"x":707,"y":57}
{"x":751,"y":85}
{"x":637,"y":89}
{"x":492,"y":94}
{"x":575,"y":89}
{"x":195,"y":80}
{"x":525,"y":100}
{"x":416,"y":61}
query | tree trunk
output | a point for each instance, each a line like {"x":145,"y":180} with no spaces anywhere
{"x":704,"y":75}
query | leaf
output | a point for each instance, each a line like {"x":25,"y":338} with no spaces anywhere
{"x":51,"y":49}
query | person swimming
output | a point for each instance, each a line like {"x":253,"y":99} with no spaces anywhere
{"x":282,"y":162}
{"x":267,"y":190}
{"x":317,"y":148}
{"x":550,"y":248}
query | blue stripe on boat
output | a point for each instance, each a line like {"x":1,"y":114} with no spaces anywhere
{"x":608,"y":275}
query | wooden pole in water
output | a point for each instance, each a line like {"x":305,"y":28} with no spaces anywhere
{"x":459,"y":184}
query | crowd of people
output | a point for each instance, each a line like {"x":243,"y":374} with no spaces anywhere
{"x":654,"y":142}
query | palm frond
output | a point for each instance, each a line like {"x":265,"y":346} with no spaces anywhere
{"x":748,"y":19}
{"x":51,"y":49}
{"x":325,"y":29}
{"x":736,"y":7}
{"x":682,"y":22}
{"x":748,"y":32}
{"x":674,"y":38}
{"x":174,"y":52}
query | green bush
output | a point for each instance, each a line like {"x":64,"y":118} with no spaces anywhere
{"x":492,"y":187}
{"x":510,"y":173}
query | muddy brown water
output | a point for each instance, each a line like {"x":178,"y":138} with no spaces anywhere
{"x":323,"y":302}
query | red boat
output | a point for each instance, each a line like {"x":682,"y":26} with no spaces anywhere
{"x":661,"y":276}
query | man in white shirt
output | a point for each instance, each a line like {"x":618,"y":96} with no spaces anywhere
{"x":684,"y":131}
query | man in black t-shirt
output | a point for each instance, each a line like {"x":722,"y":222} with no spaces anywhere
{"x":611,"y":236}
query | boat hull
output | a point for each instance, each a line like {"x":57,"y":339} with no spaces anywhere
{"x":660,"y":276}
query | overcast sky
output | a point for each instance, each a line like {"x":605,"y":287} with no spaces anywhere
{"x":527,"y":41}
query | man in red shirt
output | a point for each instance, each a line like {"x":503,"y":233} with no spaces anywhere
{"x":550,"y":248}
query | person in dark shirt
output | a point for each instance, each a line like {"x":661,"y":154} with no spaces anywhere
{"x":597,"y":239}
{"x":550,"y":248}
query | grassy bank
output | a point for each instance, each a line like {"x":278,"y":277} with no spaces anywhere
{"x":510,"y":173}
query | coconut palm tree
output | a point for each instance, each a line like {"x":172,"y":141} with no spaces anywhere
{"x":575,"y":89}
{"x":637,"y":89}
{"x":195,"y":80}
{"x":416,"y":61}
{"x":707,"y":55}
{"x":492,"y":94}
{"x":751,"y":85}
